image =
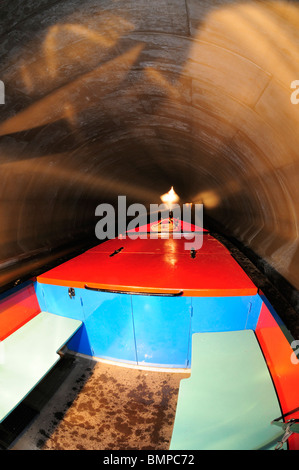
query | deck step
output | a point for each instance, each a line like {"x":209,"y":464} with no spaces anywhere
{"x":28,"y":354}
{"x":229,"y":401}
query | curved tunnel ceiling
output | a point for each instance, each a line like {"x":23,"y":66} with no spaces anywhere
{"x":110,"y":97}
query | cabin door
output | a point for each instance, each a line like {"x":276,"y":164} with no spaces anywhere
{"x":162,"y":330}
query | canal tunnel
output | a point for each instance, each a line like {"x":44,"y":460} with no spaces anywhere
{"x":130,"y":98}
{"x":102,"y":99}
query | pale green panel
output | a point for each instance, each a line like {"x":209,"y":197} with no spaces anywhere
{"x":229,"y":401}
{"x":28,"y":354}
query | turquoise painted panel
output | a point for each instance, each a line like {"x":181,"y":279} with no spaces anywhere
{"x":56,"y":300}
{"x":229,"y":401}
{"x":40,"y":296}
{"x":108,"y":330}
{"x":150,"y":330}
{"x":28,"y":354}
{"x":211,"y":314}
{"x":162,"y":329}
{"x":256,"y":303}
{"x":109,"y":324}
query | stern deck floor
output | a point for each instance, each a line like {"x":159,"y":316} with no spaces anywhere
{"x":104,"y":407}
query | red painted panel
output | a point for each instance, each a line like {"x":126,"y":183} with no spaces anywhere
{"x":159,"y":245}
{"x":285,"y":374}
{"x":172,"y":225}
{"x":17,"y":307}
{"x":205,"y":275}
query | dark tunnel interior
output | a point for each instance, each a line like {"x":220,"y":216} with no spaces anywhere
{"x":107,"y":98}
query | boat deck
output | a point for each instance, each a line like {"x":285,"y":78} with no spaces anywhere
{"x":88,"y":405}
{"x":155,"y":266}
{"x":134,"y":407}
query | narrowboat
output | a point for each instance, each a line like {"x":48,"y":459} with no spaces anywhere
{"x":142,"y":299}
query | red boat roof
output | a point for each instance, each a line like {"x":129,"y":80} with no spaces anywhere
{"x":155,"y":266}
{"x":168,"y":225}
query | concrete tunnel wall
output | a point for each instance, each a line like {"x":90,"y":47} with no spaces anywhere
{"x":109,"y":97}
